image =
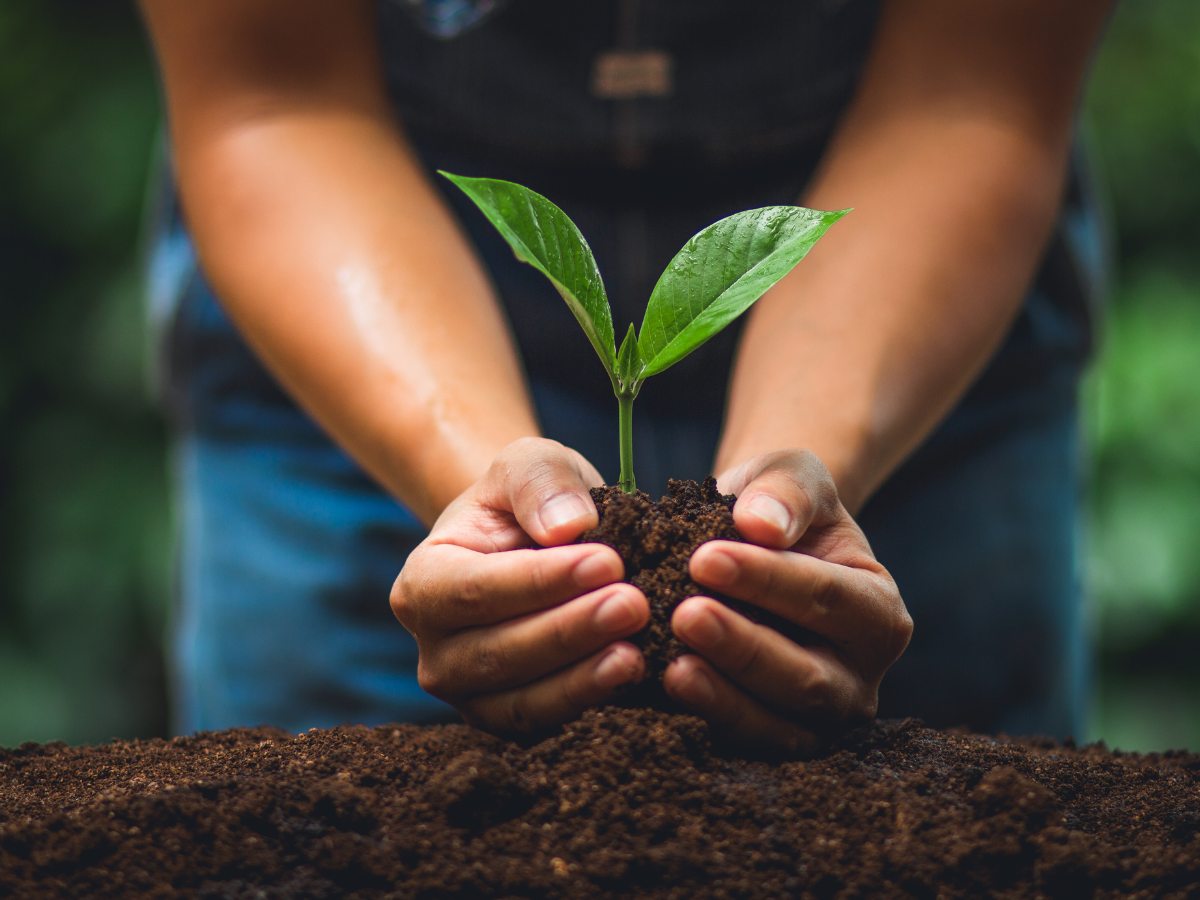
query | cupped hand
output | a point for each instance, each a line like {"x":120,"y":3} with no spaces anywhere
{"x":809,"y":562}
{"x":520,"y":639}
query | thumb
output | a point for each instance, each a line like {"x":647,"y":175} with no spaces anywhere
{"x":545,"y":485}
{"x":780,"y":494}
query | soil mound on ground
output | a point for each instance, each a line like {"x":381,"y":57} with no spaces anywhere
{"x":623,"y":803}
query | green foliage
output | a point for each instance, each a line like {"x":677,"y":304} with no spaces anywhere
{"x":1142,"y":409}
{"x":717,"y":276}
{"x":542,"y":235}
{"x":719,"y":273}
{"x":1143,"y":109}
{"x":630,"y":368}
{"x":85,"y":538}
{"x":1142,"y":399}
{"x":1143,"y":412}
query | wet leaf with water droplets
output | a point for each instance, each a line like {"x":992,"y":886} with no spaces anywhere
{"x":719,"y":273}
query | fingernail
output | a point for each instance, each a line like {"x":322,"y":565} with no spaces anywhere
{"x":701,"y":630}
{"x":718,"y":569}
{"x":617,"y":614}
{"x":614,"y":670}
{"x":771,"y":511}
{"x":596,"y":570}
{"x":561,"y":510}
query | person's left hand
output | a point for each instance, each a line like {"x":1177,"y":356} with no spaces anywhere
{"x":809,"y":562}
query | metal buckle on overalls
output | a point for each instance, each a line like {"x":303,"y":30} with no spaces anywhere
{"x":627,"y":74}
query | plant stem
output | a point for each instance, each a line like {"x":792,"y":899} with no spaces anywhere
{"x":625,"y":423}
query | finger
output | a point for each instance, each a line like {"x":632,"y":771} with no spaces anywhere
{"x":743,"y":722}
{"x":784,"y":676}
{"x":780,"y":494}
{"x":545,"y":486}
{"x":557,"y":698}
{"x":520,"y":651}
{"x":446,"y":588}
{"x":858,"y":610}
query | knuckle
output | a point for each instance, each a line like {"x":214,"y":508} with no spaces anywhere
{"x":576,"y":693}
{"x":541,"y":462}
{"x":538,"y":445}
{"x":523,"y":444}
{"x":516,"y":718}
{"x":764,"y":581}
{"x":823,"y":591}
{"x":865,"y":709}
{"x":811,"y":465}
{"x":817,"y":684}
{"x":562,"y":634}
{"x":901,"y":632}
{"x":409,"y":611}
{"x":514,"y":452}
{"x":794,"y":487}
{"x":513,"y":466}
{"x":813,"y":479}
{"x":749,"y":656}
{"x":894,"y":624}
{"x":405,"y":590}
{"x":490,"y":665}
{"x":543,"y":575}
{"x":431,"y":680}
{"x":398,"y":599}
{"x":470,"y":596}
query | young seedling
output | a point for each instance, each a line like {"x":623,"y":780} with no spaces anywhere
{"x":716,"y":277}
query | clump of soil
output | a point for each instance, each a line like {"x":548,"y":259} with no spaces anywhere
{"x":624,"y":803}
{"x":656,"y":541}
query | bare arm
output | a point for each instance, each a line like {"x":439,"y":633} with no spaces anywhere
{"x":341,"y":266}
{"x":330,"y":250}
{"x":953,"y":156}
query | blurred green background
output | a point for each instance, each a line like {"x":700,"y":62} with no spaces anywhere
{"x":85,"y":519}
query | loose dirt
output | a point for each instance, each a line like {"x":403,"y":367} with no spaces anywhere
{"x":623,"y":803}
{"x":627,"y":802}
{"x":656,"y":541}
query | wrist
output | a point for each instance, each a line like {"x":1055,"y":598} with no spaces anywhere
{"x":432,"y":473}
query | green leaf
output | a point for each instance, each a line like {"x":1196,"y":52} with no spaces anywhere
{"x":629,"y":364}
{"x":542,"y":235}
{"x":719,"y":273}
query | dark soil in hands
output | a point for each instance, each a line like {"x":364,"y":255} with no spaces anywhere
{"x":656,"y":541}
{"x":624,"y":803}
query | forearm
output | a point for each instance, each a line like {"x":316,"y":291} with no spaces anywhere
{"x":333,"y":254}
{"x":350,"y":279}
{"x":866,"y":345}
{"x":955,"y":181}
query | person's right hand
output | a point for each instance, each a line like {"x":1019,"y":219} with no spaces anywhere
{"x":519,"y":639}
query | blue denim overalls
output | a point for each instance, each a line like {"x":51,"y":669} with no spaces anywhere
{"x":288,"y":550}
